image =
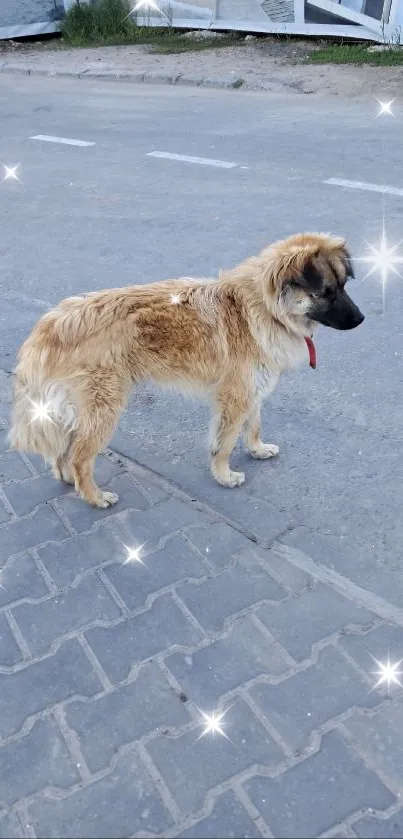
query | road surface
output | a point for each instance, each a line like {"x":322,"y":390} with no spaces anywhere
{"x":269,"y":602}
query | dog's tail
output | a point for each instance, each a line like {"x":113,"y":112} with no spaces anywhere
{"x":43,"y":418}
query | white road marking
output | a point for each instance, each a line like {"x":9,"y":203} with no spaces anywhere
{"x":202,"y":161}
{"x":47,"y":138}
{"x":386,"y":190}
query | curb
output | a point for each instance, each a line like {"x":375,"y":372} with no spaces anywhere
{"x":122,"y":76}
{"x":223,"y":83}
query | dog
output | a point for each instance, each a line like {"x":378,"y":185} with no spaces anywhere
{"x":227,"y":339}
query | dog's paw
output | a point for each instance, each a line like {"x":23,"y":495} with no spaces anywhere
{"x":264,"y":451}
{"x":106,"y":499}
{"x":232,"y":479}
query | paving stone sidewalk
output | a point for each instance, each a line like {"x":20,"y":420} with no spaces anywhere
{"x":105,"y":668}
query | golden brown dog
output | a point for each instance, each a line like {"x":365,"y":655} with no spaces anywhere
{"x":227,"y":339}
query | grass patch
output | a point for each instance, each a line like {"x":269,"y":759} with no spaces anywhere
{"x":100,"y":22}
{"x":105,"y":22}
{"x":356,"y":54}
{"x":175,"y":43}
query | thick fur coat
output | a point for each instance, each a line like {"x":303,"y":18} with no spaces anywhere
{"x":227,"y":339}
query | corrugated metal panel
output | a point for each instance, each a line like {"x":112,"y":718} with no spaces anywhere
{"x":26,"y":12}
{"x":279,"y":10}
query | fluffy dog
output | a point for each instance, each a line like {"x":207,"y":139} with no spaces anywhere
{"x":228,"y":339}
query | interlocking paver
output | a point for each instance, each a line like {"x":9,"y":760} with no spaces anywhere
{"x":319,"y":792}
{"x":23,"y":497}
{"x":5,"y":514}
{"x":226,"y":664}
{"x":12,"y":467}
{"x":223,"y":616}
{"x":106,"y":469}
{"x":10,"y":652}
{"x":44,"y":622}
{"x":82,"y":516}
{"x":312,"y":697}
{"x":19,"y":535}
{"x":234,"y":589}
{"x":219,"y":543}
{"x":127,"y":643}
{"x":65,"y":561}
{"x":300,"y":623}
{"x":37,"y":760}
{"x":380,"y":738}
{"x":146,"y":704}
{"x":172,"y":564}
{"x":192,"y":766}
{"x":143,"y":524}
{"x":227,"y":810}
{"x":121,"y":804}
{"x":10,"y":827}
{"x":44,"y":683}
{"x":377,"y":645}
{"x":39,"y":463}
{"x":21,"y":578}
{"x":375,"y":828}
{"x":292,"y":578}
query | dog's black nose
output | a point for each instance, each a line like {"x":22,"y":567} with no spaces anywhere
{"x":360,"y":319}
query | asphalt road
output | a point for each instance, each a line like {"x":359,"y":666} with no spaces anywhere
{"x":90,"y":217}
{"x":104,"y":215}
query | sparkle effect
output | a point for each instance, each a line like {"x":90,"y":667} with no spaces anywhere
{"x":386,"y":108}
{"x":41,"y":412}
{"x":10,"y":173}
{"x":212,"y":724}
{"x":175,"y":299}
{"x":146,"y":6}
{"x":388,"y":673}
{"x":383,"y":259}
{"x":133,"y":555}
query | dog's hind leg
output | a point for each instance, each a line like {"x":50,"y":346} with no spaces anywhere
{"x":91,"y":436}
{"x":61,"y":470}
{"x":61,"y":467}
{"x":82,"y":459}
{"x":232,"y":409}
{"x":101,"y":397}
{"x":251,"y":436}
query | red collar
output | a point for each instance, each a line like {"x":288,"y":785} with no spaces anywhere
{"x":312,"y":352}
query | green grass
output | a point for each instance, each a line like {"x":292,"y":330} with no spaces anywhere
{"x":356,"y":54}
{"x":105,"y":23}
{"x":175,"y":42}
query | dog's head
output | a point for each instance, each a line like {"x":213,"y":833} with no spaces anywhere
{"x":309,"y":279}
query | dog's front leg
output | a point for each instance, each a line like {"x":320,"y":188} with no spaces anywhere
{"x":231,"y":410}
{"x":251,"y":436}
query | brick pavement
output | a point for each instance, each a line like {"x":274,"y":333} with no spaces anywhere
{"x":105,"y":666}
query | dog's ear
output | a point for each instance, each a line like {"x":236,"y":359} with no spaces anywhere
{"x":348,"y":263}
{"x":303,"y":272}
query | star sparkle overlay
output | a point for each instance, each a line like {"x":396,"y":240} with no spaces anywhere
{"x":212,"y":724}
{"x":41,"y":412}
{"x":383,"y":259}
{"x":175,"y":299}
{"x":388,"y":673}
{"x":386,"y":108}
{"x":10,"y":173}
{"x":133,"y":555}
{"x":146,"y":6}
